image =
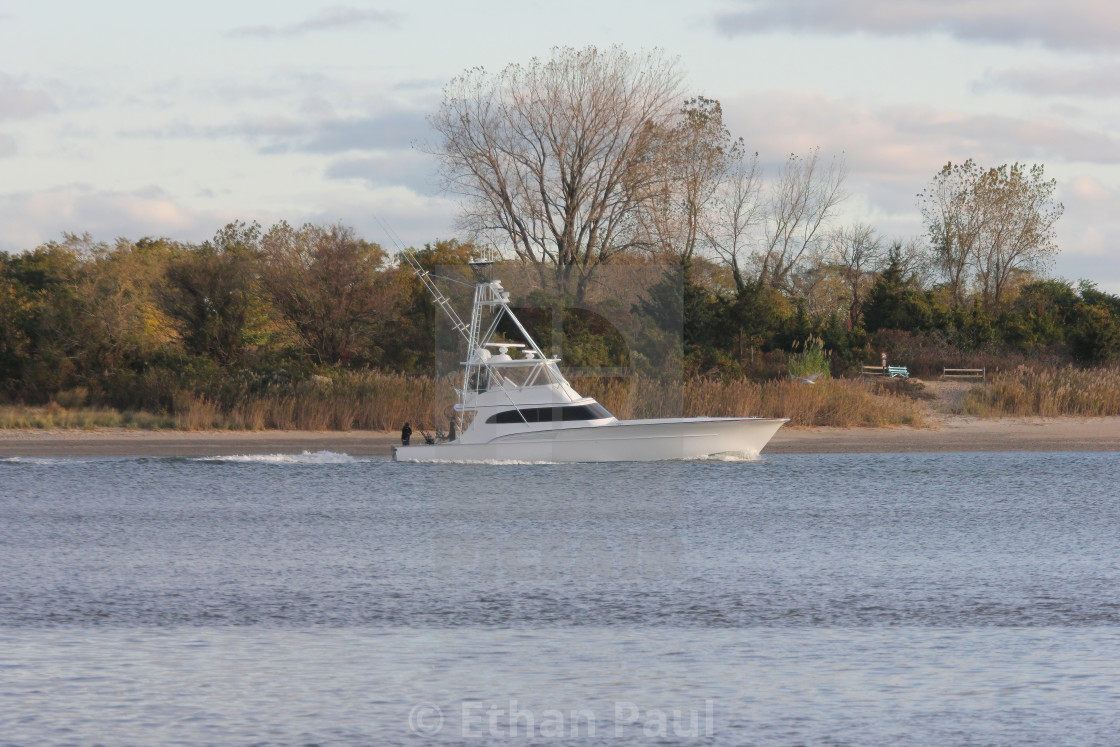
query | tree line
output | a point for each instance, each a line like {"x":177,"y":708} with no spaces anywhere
{"x":134,"y":324}
{"x":587,"y":159}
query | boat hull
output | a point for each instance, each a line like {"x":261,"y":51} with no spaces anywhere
{"x":621,"y":441}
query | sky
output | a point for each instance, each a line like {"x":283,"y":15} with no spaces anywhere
{"x":128,"y":119}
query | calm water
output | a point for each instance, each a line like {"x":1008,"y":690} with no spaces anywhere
{"x":837,"y":599}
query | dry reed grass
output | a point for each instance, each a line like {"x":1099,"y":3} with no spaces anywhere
{"x":193,"y":413}
{"x":842,"y":403}
{"x":634,"y":398}
{"x":1047,"y":392}
{"x":366,"y":400}
{"x":57,"y":416}
{"x":383,"y":402}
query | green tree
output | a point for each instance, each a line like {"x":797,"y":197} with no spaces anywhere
{"x":118,"y":312}
{"x":409,"y":343}
{"x":44,"y":334}
{"x":15,"y":311}
{"x":894,"y":302}
{"x":328,"y":284}
{"x":208,"y":294}
{"x":1041,"y":315}
{"x":1095,"y":333}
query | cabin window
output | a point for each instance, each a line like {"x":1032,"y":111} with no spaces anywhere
{"x":566,"y":413}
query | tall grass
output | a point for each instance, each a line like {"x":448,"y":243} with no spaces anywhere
{"x":57,"y":416}
{"x":365,"y":400}
{"x":1047,"y":392}
{"x":634,"y":398}
{"x":383,"y":402}
{"x":370,"y":400}
{"x":841,"y":403}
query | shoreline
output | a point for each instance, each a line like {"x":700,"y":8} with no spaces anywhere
{"x":948,"y":434}
{"x":956,"y":434}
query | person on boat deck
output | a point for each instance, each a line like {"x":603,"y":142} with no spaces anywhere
{"x":406,"y":434}
{"x":451,"y":431}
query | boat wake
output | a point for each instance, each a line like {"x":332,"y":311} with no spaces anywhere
{"x":307,"y":457}
{"x":30,"y":460}
{"x":730,"y":456}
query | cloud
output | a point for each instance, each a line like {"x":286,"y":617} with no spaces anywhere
{"x":420,"y":84}
{"x":35,"y":217}
{"x":339,"y":17}
{"x":1097,"y":81}
{"x":20,"y":102}
{"x":391,"y":130}
{"x":396,"y":129}
{"x":889,"y":141}
{"x":416,"y":220}
{"x":31,"y":218}
{"x":1090,"y":224}
{"x":7,"y":146}
{"x":1068,"y":25}
{"x":1001,"y":138}
{"x":409,"y":169}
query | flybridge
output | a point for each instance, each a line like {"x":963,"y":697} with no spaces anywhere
{"x":523,"y":409}
{"x":484,"y":371}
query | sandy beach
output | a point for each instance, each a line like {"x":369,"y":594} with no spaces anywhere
{"x":956,"y":433}
{"x":950,"y":433}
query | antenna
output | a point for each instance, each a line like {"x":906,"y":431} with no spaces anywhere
{"x":393,"y":237}
{"x":483,"y":267}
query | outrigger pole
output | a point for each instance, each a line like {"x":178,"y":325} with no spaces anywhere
{"x":437,"y":295}
{"x":486,"y":293}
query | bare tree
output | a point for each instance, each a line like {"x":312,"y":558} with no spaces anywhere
{"x":915,"y":259}
{"x":992,"y":222}
{"x":953,"y":220}
{"x":818,"y":285}
{"x":737,"y":214}
{"x":557,"y":159}
{"x":802,"y":199}
{"x":1018,"y":227}
{"x":325,"y":282}
{"x":699,"y":156}
{"x":857,"y":253}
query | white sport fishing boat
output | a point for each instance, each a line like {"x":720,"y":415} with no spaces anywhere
{"x":516,"y":406}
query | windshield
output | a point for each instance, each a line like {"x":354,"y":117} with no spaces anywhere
{"x":536,"y":373}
